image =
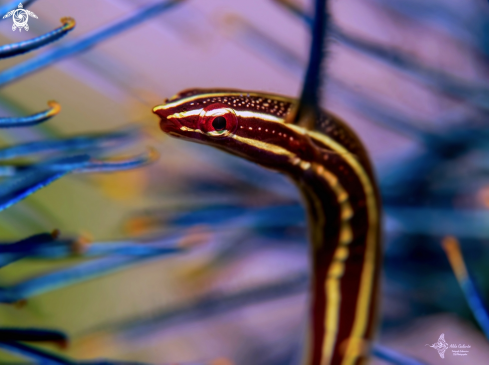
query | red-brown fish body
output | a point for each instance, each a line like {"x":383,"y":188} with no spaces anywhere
{"x":333,"y":172}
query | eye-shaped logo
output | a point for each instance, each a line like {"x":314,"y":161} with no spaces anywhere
{"x":20,"y":17}
{"x":441,"y":346}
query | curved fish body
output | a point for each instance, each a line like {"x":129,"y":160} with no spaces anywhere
{"x":332,"y":170}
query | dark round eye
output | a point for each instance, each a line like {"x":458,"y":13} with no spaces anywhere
{"x":219,"y":123}
{"x":218,"y":120}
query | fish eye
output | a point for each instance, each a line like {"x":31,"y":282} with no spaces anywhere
{"x":219,"y":123}
{"x":218,"y":120}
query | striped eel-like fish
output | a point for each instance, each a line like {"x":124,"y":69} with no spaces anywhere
{"x":331,"y":168}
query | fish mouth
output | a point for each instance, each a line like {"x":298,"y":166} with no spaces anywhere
{"x":170,"y":126}
{"x":161,"y":111}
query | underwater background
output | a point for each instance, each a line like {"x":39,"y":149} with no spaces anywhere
{"x":199,"y":257}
